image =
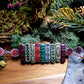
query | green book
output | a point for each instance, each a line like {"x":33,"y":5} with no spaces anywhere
{"x":27,"y":52}
{"x":52,"y":53}
{"x":42,"y":52}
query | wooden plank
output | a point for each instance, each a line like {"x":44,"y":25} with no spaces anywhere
{"x":14,"y":71}
{"x":56,"y":79}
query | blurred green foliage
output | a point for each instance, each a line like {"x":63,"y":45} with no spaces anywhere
{"x":45,"y":34}
{"x":27,"y":21}
{"x":24,"y":19}
{"x":66,"y":18}
{"x":62,"y":36}
{"x":15,"y":41}
{"x":30,"y":39}
{"x":63,"y":3}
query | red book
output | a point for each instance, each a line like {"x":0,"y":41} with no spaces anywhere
{"x":37,"y":52}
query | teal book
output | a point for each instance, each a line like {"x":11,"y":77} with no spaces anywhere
{"x":42,"y":52}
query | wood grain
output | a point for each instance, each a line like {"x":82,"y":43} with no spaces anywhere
{"x":14,"y":71}
{"x":55,"y":79}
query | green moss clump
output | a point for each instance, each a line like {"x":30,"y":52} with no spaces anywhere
{"x":45,"y":33}
{"x":15,"y":41}
{"x":30,"y":39}
{"x":68,"y":38}
{"x":63,"y":36}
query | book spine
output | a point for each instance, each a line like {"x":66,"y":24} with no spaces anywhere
{"x":52,"y":52}
{"x":37,"y":52}
{"x":22,"y":53}
{"x":27,"y":52}
{"x":47,"y":52}
{"x":58,"y":52}
{"x":63,"y":53}
{"x":42,"y":50}
{"x":32,"y":53}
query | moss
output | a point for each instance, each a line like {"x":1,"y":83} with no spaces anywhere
{"x":68,"y":38}
{"x":45,"y":33}
{"x":15,"y":41}
{"x":29,"y":39}
{"x":62,"y":36}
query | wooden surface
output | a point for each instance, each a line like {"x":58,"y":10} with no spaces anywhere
{"x":14,"y":71}
{"x":55,"y":79}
